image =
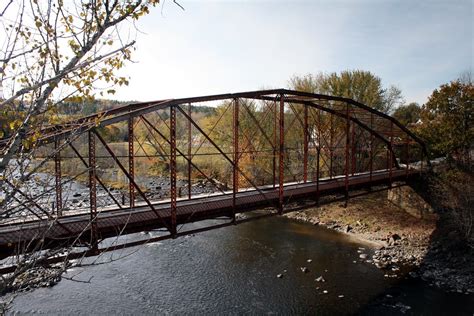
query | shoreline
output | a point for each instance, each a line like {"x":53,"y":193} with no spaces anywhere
{"x":399,"y":240}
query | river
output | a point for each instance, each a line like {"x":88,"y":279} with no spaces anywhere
{"x":233,"y":271}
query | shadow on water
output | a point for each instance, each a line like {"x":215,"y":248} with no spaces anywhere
{"x":230,"y":271}
{"x":419,"y":295}
{"x":423,"y":291}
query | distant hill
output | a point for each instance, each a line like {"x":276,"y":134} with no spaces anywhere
{"x":86,"y":107}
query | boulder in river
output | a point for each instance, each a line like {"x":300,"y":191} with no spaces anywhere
{"x":320,"y":279}
{"x":304,"y":269}
{"x":363,"y":256}
{"x":280,"y":276}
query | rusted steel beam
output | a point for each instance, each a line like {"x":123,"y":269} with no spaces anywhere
{"x":304,"y":123}
{"x":222,"y":152}
{"x":179,"y":152}
{"x":331,"y":144}
{"x":130,"y":111}
{"x":324,"y":143}
{"x":45,"y":193}
{"x":140,"y":145}
{"x":93,"y":192}
{"x":28,"y":208}
{"x":342,"y":115}
{"x":353,"y":147}
{"x":318,"y":154}
{"x":139,"y":191}
{"x":346,"y":169}
{"x":161,"y":154}
{"x":253,"y":94}
{"x":131,"y":164}
{"x":48,"y":215}
{"x":235,"y":174}
{"x":189,"y":150}
{"x":257,"y":123}
{"x":96,"y":176}
{"x":28,"y":199}
{"x":281,"y":155}
{"x":305,"y":145}
{"x":57,"y":176}
{"x":362,"y":107}
{"x":391,"y":156}
{"x":371,"y":147}
{"x":107,"y":228}
{"x":275,"y":128}
{"x":211,"y":130}
{"x":173,"y":169}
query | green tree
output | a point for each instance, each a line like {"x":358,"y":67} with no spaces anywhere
{"x":447,"y":120}
{"x":407,"y":114}
{"x":359,"y":85}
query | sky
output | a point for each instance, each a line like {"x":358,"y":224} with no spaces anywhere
{"x":230,"y":46}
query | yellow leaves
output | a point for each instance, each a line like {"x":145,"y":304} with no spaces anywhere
{"x":38,"y":23}
{"x":75,"y":99}
{"x":23,"y":80}
{"x":74,"y":46}
{"x":13,"y":124}
{"x":111,"y":91}
{"x":27,"y":143}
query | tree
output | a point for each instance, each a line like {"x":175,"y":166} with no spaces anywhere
{"x":359,"y":85}
{"x":53,"y":50}
{"x":447,"y":120}
{"x":407,"y":114}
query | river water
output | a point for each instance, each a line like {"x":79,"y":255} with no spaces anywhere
{"x":234,"y":271}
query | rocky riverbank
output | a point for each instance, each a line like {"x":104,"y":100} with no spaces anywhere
{"x":400,"y":240}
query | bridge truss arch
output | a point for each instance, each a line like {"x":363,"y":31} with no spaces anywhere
{"x":164,"y":164}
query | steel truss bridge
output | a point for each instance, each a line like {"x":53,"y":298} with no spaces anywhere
{"x":270,"y":150}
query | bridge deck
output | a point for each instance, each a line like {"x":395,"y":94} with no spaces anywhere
{"x":111,"y":222}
